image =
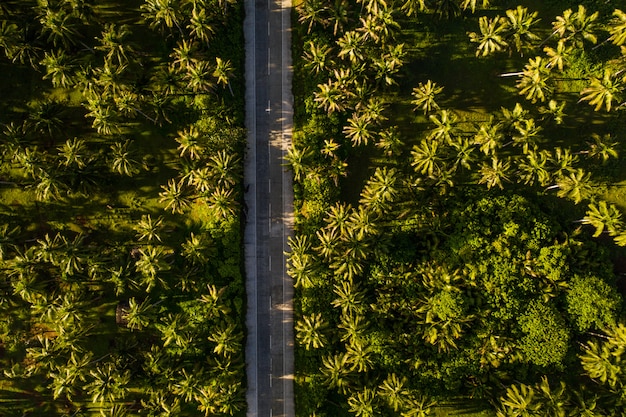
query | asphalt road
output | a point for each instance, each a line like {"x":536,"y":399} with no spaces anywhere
{"x":269,"y":201}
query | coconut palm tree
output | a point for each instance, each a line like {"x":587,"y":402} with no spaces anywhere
{"x":115,"y":44}
{"x":214,"y":302}
{"x":604,"y":217}
{"x":576,"y":186}
{"x":60,"y":28}
{"x":122,"y":160}
{"x":337,"y":372}
{"x":227,"y":338}
{"x":424,"y":96}
{"x":201,"y":25}
{"x":222,"y":201}
{"x":330,"y":97}
{"x":558,"y":57}
{"x":518,"y":401}
{"x":601,"y":147}
{"x":339,"y":12}
{"x":59,"y":68}
{"x":297,"y":158}
{"x":489,"y":137}
{"x":362,"y":403}
{"x":197,"y":249}
{"x":492,"y":35}
{"x":310,"y":331}
{"x":350,"y":297}
{"x":520,"y":24}
{"x":604,"y":92}
{"x":533,"y":168}
{"x":151,"y":265}
{"x":616,"y":27}
{"x":534,"y":82}
{"x":445,"y":126}
{"x":353,"y":328}
{"x":380,"y":190}
{"x":109,"y":385}
{"x":162,"y":14}
{"x":224,"y":168}
{"x":427,"y":157}
{"x":74,"y":153}
{"x":139,"y":315}
{"x":199,"y":76}
{"x":411,"y":7}
{"x":318,"y":55}
{"x":393,"y":391}
{"x":175,"y":196}
{"x":494,"y":174}
{"x":359,"y":355}
{"x":148,"y":229}
{"x":577,"y":26}
{"x":351,"y":46}
{"x":312,"y":12}
{"x":358,"y":129}
{"x":223,"y":72}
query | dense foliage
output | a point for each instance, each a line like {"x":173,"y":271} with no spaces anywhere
{"x":440,"y":250}
{"x":120,"y":253}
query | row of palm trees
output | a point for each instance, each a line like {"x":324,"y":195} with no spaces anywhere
{"x":120,"y":305}
{"x":378,"y":292}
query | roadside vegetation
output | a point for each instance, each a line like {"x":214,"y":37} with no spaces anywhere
{"x":121,"y":143}
{"x":459,"y":179}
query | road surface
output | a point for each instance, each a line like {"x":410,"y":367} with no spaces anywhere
{"x":269,"y":201}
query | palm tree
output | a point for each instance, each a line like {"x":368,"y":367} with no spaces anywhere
{"x":139,"y":314}
{"x":361,"y":403}
{"x":310,"y":331}
{"x":351,"y":46}
{"x":489,"y":137}
{"x":318,"y":55}
{"x":199,"y":76}
{"x":339,"y":15}
{"x":518,"y":402}
{"x":359,"y":355}
{"x":380,"y":190}
{"x":214,"y":302}
{"x":350,"y":297}
{"x":576,"y":186}
{"x":122,"y":160}
{"x":576,"y":26}
{"x":312,"y":12}
{"x":424,"y":96}
{"x":534,"y":81}
{"x":227,"y":338}
{"x":162,"y":14}
{"x":337,"y":371}
{"x":554,"y":111}
{"x":427,"y":157}
{"x":196,"y":249}
{"x":558,"y":57}
{"x":532,"y":169}
{"x":201,"y":25}
{"x":445,"y":126}
{"x":59,"y":68}
{"x":108,"y":384}
{"x":114,"y":43}
{"x":60,"y":28}
{"x":297,"y":159}
{"x":603,"y":92}
{"x":359,"y":129}
{"x":491,"y":37}
{"x":148,"y":229}
{"x":222,"y":202}
{"x":393,"y":390}
{"x":603,"y":217}
{"x":411,"y":7}
{"x":105,"y":119}
{"x":224,"y":168}
{"x":495,"y":173}
{"x":191,"y":142}
{"x":520,"y":24}
{"x":223,"y":72}
{"x":617,"y":28}
{"x":353,"y":327}
{"x":74,"y":153}
{"x":330,"y":97}
{"x":337,"y":218}
{"x":602,"y":147}
{"x":151,"y":264}
{"x":175,"y":196}
{"x":49,"y":185}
